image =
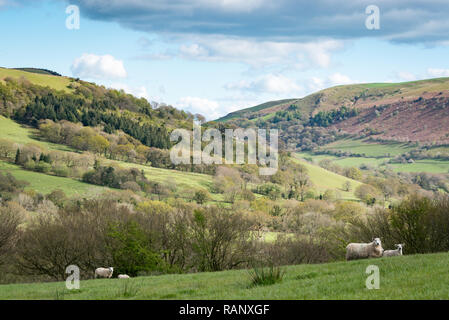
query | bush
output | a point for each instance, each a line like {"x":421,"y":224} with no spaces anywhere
{"x":43,"y":167}
{"x":221,"y":239}
{"x":9,"y":224}
{"x":131,"y":250}
{"x":201,"y":196}
{"x":30,"y":165}
{"x":61,"y":171}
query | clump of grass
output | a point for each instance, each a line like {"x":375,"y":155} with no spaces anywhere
{"x":265,"y":276}
{"x":128,"y":289}
{"x":308,"y":275}
{"x":59,"y":294}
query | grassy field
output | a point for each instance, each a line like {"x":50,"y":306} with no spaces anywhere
{"x":324,"y":180}
{"x":54,"y":82}
{"x":13,"y":131}
{"x":369,"y":149}
{"x":429,"y":165}
{"x":406,"y":277}
{"x":425,"y":165}
{"x":45,"y":184}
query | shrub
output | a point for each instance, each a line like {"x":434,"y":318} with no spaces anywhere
{"x":131,"y":250}
{"x":221,"y":239}
{"x":201,"y":196}
{"x":61,"y":171}
{"x":9,"y":224}
{"x":30,"y":165}
{"x":43,"y":167}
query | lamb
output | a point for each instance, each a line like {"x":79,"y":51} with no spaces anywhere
{"x":104,"y":272}
{"x":123,"y":276}
{"x":392,"y":253}
{"x":364,"y":250}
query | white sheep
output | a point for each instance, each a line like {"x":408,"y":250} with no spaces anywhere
{"x":104,"y":272}
{"x":364,"y":250}
{"x":392,"y":253}
{"x":123,"y":276}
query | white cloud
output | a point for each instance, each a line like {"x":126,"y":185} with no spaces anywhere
{"x":257,"y":53}
{"x":208,"y":108}
{"x":434,"y":72}
{"x":275,"y":84}
{"x":236,"y":6}
{"x":315,"y":84}
{"x":340,"y":79}
{"x":406,"y":76}
{"x":93,"y":66}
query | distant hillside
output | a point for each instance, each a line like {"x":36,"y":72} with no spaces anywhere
{"x":382,"y":111}
{"x":260,"y":107}
{"x":37,"y":78}
{"x":39,"y":71}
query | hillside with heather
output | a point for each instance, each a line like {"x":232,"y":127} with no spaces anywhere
{"x":380,"y":111}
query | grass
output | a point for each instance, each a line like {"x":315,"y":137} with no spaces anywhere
{"x":54,"y":82}
{"x":425,"y":165}
{"x":13,"y":131}
{"x":428,"y":165}
{"x":370,"y":149}
{"x":324,"y":180}
{"x":260,"y":276}
{"x":406,"y":277}
{"x":44,"y":183}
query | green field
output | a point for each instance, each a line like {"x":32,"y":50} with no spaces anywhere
{"x":368,"y":148}
{"x":429,"y":165}
{"x":13,"y":131}
{"x":406,"y":277}
{"x":45,"y":184}
{"x":54,"y":82}
{"x":324,"y":180}
{"x":425,"y":165}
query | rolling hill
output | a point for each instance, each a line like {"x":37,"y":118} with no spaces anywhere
{"x":386,"y":111}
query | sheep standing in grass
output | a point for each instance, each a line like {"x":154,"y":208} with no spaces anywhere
{"x":392,"y":253}
{"x":104,"y":272}
{"x":364,"y":250}
{"x":123,"y":276}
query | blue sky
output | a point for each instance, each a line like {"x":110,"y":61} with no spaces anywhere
{"x":214,"y":57}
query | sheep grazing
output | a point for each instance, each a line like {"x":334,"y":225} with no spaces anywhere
{"x":392,"y":253}
{"x":364,"y":250}
{"x":104,"y":272}
{"x":123,"y":276}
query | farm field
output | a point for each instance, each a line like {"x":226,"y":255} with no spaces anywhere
{"x":45,"y":183}
{"x":370,"y":149}
{"x":424,"y":165}
{"x":406,"y":277}
{"x":324,"y":180}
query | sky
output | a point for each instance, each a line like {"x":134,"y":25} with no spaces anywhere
{"x":216,"y":56}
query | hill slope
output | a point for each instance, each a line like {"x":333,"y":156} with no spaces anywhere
{"x":387,"y":111}
{"x":406,"y":277}
{"x":38,"y":78}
